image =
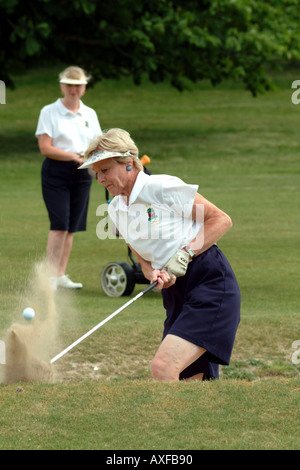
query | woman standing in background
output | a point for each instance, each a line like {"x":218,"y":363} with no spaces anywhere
{"x":65,"y":129}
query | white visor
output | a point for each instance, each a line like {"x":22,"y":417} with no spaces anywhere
{"x":100,"y":155}
{"x":73,"y":81}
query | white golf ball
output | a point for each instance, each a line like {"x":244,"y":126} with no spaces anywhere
{"x":28,"y":313}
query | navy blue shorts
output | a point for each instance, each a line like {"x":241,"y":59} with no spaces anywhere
{"x":203,"y":307}
{"x":66,"y":192}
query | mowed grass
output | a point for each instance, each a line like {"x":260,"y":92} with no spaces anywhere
{"x":244,"y":154}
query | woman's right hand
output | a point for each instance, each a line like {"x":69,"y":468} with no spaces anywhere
{"x":55,"y":153}
{"x":78,"y":159}
{"x":164,"y":280}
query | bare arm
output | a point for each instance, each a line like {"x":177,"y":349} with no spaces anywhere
{"x":145,"y":265}
{"x":216,"y":224}
{"x":48,"y":150}
{"x":161,"y":276}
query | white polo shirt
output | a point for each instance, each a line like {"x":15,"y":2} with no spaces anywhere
{"x":69,"y":131}
{"x":158,"y":219}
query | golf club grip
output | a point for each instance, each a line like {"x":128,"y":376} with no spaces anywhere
{"x":150,"y":287}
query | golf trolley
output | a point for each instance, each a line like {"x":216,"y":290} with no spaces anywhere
{"x":119,"y":278}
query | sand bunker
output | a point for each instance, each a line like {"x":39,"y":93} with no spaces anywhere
{"x":22,"y":352}
{"x":30,"y":345}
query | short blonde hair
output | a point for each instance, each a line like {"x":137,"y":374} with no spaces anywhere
{"x":116,"y":140}
{"x":74,"y":73}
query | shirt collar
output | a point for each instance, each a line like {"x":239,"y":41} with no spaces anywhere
{"x":65,"y":111}
{"x":137,"y":188}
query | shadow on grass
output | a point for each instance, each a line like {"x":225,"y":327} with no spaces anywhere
{"x":18,"y":145}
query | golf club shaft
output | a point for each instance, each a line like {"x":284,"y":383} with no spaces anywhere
{"x":148,"y":288}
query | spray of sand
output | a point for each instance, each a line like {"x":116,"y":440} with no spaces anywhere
{"x":30,"y":345}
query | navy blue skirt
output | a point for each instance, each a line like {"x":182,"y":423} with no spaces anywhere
{"x":66,"y":192}
{"x":203,"y":307}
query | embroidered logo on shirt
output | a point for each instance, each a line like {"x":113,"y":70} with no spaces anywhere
{"x":86,"y":124}
{"x":151,"y":214}
{"x":153,"y":218}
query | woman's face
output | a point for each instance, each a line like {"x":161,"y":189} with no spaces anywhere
{"x":113,"y":176}
{"x":72,"y":92}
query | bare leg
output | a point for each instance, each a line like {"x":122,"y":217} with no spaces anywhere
{"x":173,"y":356}
{"x":66,"y":253}
{"x":59,"y":247}
{"x":195,"y":377}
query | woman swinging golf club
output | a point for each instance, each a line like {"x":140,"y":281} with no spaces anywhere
{"x":173,"y":230}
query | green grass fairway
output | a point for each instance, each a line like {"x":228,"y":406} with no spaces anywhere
{"x":244,"y":154}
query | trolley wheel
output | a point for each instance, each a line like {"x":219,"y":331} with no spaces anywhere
{"x":117,"y":279}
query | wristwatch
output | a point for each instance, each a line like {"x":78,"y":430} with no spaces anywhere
{"x":189,"y":250}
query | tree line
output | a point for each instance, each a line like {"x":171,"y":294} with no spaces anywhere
{"x":174,"y":40}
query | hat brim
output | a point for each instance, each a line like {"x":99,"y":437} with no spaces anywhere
{"x":101,"y":155}
{"x":71,"y":81}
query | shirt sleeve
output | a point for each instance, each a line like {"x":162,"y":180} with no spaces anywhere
{"x":44,"y":125}
{"x":179,"y":195}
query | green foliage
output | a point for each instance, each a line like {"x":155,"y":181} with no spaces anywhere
{"x":172,"y":40}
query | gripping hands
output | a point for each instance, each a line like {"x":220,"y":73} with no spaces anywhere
{"x":178,"y":263}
